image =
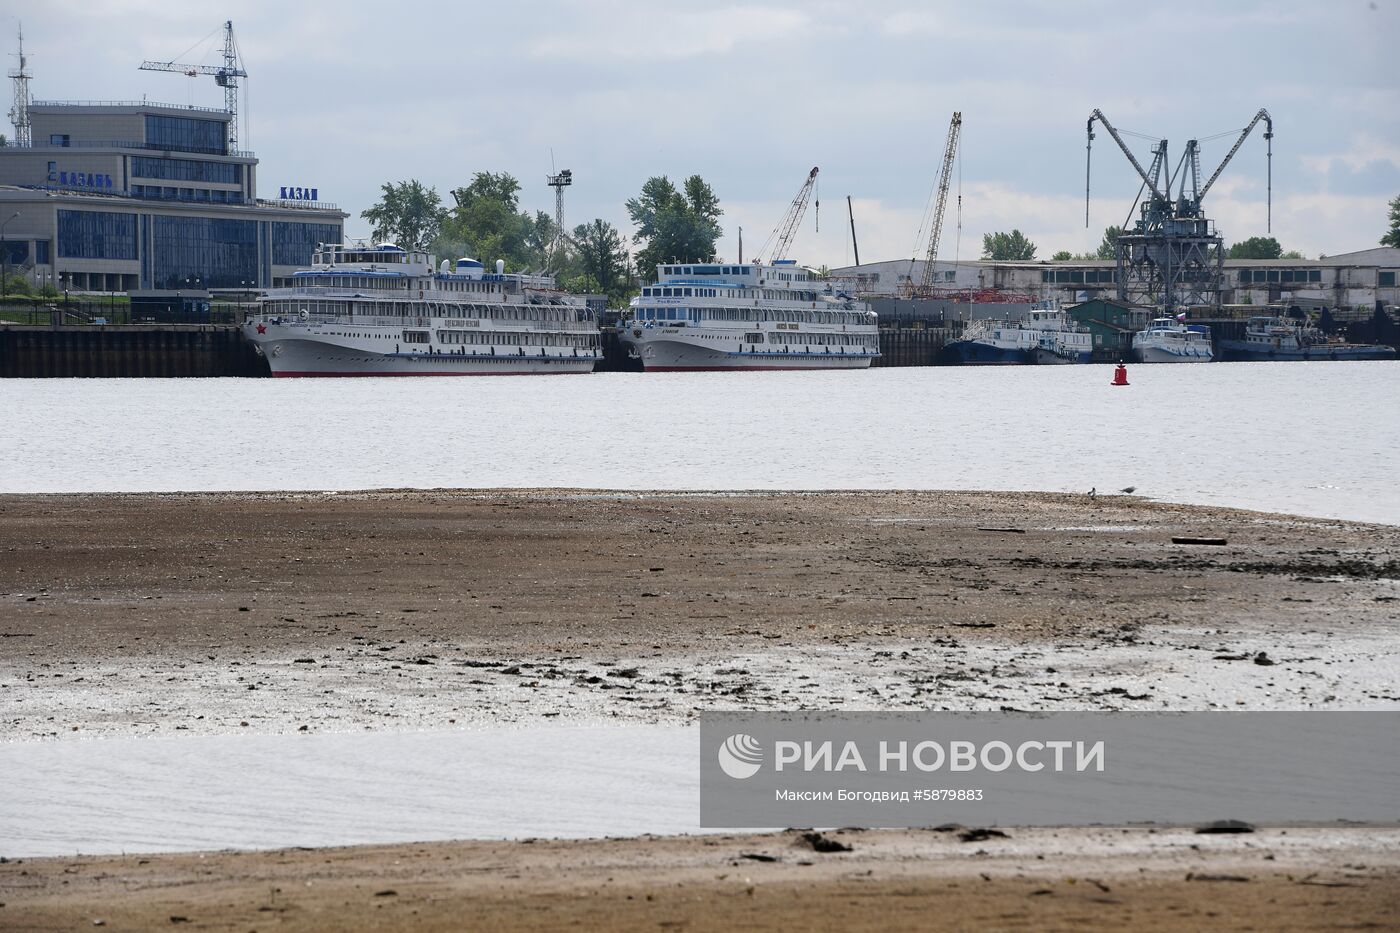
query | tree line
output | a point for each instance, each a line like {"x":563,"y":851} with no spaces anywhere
{"x":485,"y":221}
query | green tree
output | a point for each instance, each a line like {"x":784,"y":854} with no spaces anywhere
{"x":1392,"y":238}
{"x":487,"y":223}
{"x":1108,"y":247}
{"x":1293,"y":254}
{"x":1256,"y":247}
{"x":675,"y":225}
{"x":1006,"y":247}
{"x":407,"y":214}
{"x":1063,"y":255}
{"x":602,"y":257}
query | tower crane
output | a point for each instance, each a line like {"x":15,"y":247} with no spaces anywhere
{"x":782,"y":236}
{"x":225,"y":76}
{"x":936,"y":227}
{"x":1173,"y":257}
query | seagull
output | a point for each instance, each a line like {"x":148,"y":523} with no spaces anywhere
{"x":1093,"y":491}
{"x":1128,"y":490}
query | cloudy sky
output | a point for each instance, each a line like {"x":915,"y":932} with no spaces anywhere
{"x":347,"y":96}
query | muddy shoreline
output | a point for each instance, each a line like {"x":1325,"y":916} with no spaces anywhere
{"x":215,"y":613}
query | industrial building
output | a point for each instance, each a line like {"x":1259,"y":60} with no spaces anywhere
{"x":1350,"y":282}
{"x":145,"y":197}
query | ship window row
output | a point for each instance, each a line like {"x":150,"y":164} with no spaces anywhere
{"x":515,"y":339}
{"x":772,"y":294}
{"x":755,"y":315}
{"x":452,"y":285}
{"x":707,"y":270}
{"x":1265,"y":276}
{"x":818,"y":340}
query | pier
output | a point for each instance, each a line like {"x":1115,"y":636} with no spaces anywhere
{"x":125,"y":351}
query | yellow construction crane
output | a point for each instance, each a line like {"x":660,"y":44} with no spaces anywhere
{"x":226,"y":76}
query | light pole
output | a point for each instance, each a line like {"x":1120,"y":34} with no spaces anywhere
{"x":5,"y":258}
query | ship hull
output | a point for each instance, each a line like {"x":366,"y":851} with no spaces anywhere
{"x":972,"y":353}
{"x":1161,"y":355}
{"x":299,"y":357}
{"x":661,"y":355}
{"x":1042,"y":357}
{"x":1240,"y":351}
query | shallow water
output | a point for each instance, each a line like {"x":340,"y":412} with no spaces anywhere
{"x":273,"y":791}
{"x":1311,"y":438}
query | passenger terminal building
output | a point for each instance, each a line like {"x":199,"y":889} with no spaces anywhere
{"x":122,"y":197}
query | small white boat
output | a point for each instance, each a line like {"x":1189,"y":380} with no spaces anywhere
{"x":1173,"y":341}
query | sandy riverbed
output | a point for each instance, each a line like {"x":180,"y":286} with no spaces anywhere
{"x":130,"y":615}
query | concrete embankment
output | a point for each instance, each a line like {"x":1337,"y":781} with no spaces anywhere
{"x":170,"y":350}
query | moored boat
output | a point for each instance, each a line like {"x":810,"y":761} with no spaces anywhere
{"x":1281,"y":338}
{"x":754,"y":315}
{"x":1173,"y":341}
{"x":363,"y":310}
{"x":1044,"y":336}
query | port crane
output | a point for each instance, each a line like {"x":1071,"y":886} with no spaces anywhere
{"x":950,"y":150}
{"x":782,"y":236}
{"x":1173,"y":257}
{"x":225,"y":76}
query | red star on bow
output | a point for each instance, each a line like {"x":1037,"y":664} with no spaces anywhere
{"x":262,"y":329}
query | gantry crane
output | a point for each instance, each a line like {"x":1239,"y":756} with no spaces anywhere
{"x":1173,"y":257}
{"x":782,"y":236}
{"x":925,"y":288}
{"x":225,"y":76}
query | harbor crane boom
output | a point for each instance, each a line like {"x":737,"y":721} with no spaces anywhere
{"x":1149,"y":179}
{"x":225,"y":76}
{"x":1269,"y":137}
{"x":783,"y":234}
{"x":936,"y":228}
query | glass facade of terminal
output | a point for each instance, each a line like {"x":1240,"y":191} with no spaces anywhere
{"x":187,"y":134}
{"x":204,"y":252}
{"x":96,"y":235}
{"x":293,"y":243}
{"x":223,"y":173}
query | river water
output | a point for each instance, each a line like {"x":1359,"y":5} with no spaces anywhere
{"x":1319,"y":439}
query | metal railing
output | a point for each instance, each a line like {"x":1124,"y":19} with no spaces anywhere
{"x":133,"y":144}
{"x":124,"y":103}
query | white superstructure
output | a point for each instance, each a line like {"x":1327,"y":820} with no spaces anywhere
{"x":1169,"y":341}
{"x":364,"y":310}
{"x":720,"y":316}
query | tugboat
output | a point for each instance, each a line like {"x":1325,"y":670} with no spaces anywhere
{"x":1044,"y":336}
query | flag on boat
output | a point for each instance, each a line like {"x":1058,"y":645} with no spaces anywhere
{"x":1181,"y":316}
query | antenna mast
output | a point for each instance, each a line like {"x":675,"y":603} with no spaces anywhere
{"x":19,"y":113}
{"x":559,"y":183}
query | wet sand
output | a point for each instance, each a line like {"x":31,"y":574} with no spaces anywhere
{"x":206,"y":613}
{"x":1033,"y":880}
{"x":229,"y":613}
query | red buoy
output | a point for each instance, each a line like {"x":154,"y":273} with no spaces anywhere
{"x":1120,"y":375}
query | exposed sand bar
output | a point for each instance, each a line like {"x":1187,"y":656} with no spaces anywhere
{"x":210,"y":613}
{"x":919,"y":880}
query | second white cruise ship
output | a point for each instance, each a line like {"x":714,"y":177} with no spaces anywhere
{"x":753,"y":315}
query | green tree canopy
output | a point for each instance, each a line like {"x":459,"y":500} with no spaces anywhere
{"x":602,"y":259}
{"x":1063,"y":255}
{"x":675,"y":225}
{"x":407,"y":214}
{"x":1256,"y":247}
{"x":1108,"y":246}
{"x":1392,"y":237}
{"x":487,"y":223}
{"x":1004,"y":247}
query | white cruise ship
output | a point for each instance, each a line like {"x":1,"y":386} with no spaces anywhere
{"x":721,"y":316}
{"x":364,"y":310}
{"x":1172,"y":341}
